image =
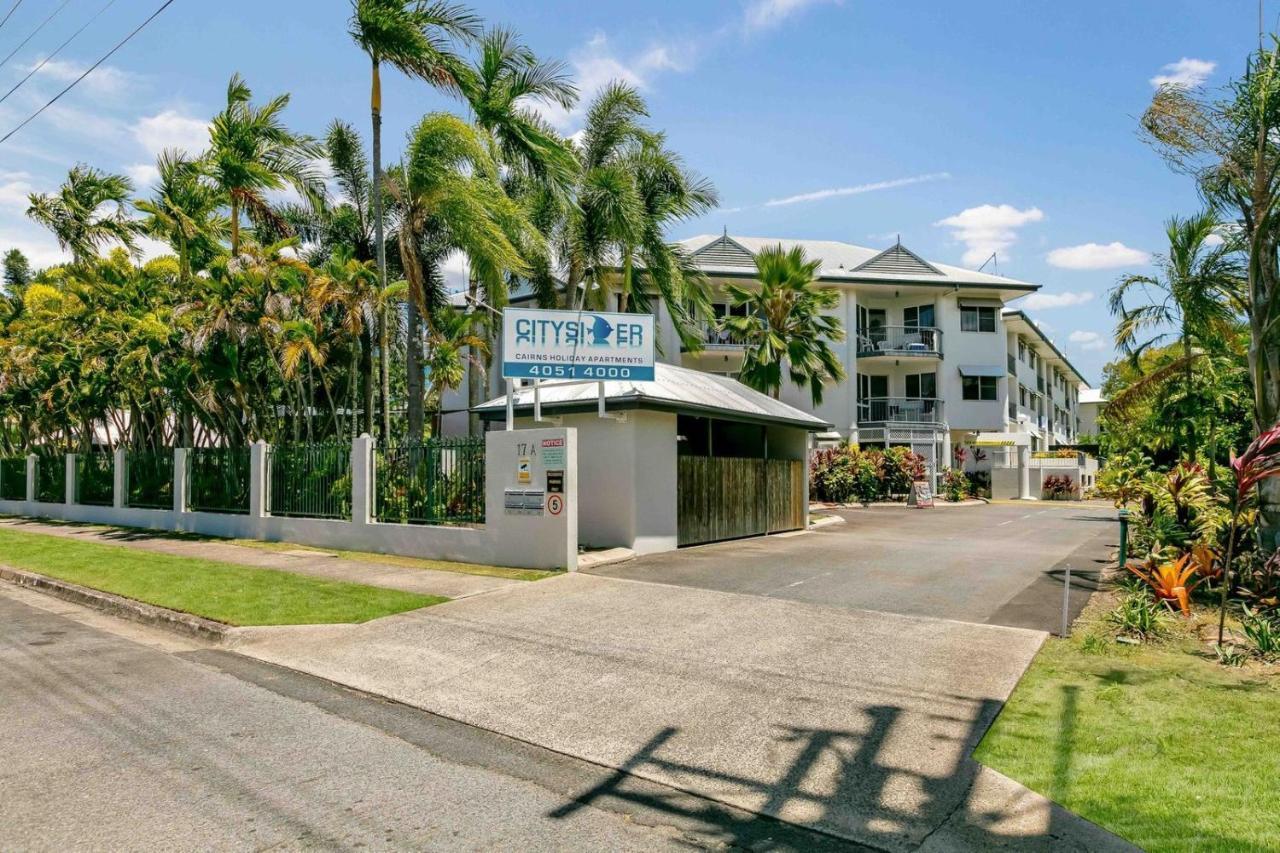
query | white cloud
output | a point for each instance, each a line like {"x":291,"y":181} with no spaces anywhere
{"x":1214,"y":240}
{"x":143,"y":175}
{"x":817,"y":195}
{"x":14,"y":189}
{"x":172,"y":129}
{"x":1066,"y":299}
{"x":1186,"y":73}
{"x":767,"y":14}
{"x":105,"y":79}
{"x":1097,"y":256}
{"x":1087,"y":340}
{"x":597,"y":64}
{"x":989,"y":228}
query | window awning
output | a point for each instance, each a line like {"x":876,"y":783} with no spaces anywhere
{"x":982,"y":370}
{"x":969,"y":302}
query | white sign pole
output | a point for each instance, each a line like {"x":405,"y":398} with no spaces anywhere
{"x":511,"y":405}
{"x":537,"y":401}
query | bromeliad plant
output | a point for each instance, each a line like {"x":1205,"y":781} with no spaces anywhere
{"x":1169,"y":581}
{"x":1260,"y":461}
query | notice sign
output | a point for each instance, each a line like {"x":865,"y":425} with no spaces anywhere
{"x":553,"y":452}
{"x":550,"y":344}
{"x":555,"y":482}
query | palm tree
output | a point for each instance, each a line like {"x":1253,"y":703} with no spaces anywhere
{"x":783,"y":324}
{"x":631,"y":190}
{"x":184,"y":212}
{"x":251,"y":152}
{"x":1196,"y":297}
{"x":539,"y":164}
{"x":448,"y":198}
{"x":88,"y":212}
{"x":17,"y":271}
{"x":452,"y":345}
{"x":418,"y":39}
{"x":350,"y":287}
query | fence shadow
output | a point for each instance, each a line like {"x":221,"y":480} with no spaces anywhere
{"x":839,"y":782}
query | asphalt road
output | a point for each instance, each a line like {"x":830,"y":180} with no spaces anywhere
{"x":114,"y":744}
{"x":996,"y":564}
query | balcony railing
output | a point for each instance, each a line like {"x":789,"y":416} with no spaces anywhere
{"x":900,"y":340}
{"x":900,"y":410}
{"x":714,"y":337}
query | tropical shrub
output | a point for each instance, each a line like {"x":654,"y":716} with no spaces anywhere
{"x":902,"y":467}
{"x":1059,"y":487}
{"x":1262,"y":631}
{"x":1123,"y":478}
{"x":1139,"y":615}
{"x":848,"y":473}
{"x":979,"y":483}
{"x":1169,"y":580}
{"x":955,"y":485}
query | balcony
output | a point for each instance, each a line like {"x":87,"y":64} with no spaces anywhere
{"x":900,"y":410}
{"x":715,"y":338}
{"x":899,"y":341}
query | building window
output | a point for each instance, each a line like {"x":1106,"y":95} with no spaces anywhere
{"x":922,"y":386}
{"x":1022,"y":350}
{"x":979,"y":387}
{"x":977,"y":319}
{"x":1022,"y":396}
{"x":918,"y":317}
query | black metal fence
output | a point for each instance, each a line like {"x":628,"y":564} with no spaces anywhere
{"x":310,"y":480}
{"x":13,"y":479}
{"x":218,"y":479}
{"x":51,"y":477}
{"x":149,"y":479}
{"x":96,"y":478}
{"x":440,"y":481}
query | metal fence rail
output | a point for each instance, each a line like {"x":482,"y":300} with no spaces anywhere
{"x":218,"y":479}
{"x":51,"y":478}
{"x":96,"y":478}
{"x":149,"y":479}
{"x":440,"y":481}
{"x":310,"y":480}
{"x":13,"y":479}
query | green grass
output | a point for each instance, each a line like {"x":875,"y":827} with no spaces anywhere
{"x":406,"y":562}
{"x":225,"y":592}
{"x":1159,"y":744}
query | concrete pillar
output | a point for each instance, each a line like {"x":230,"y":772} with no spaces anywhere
{"x":808,"y":454}
{"x":945,"y":462}
{"x":179,"y":481}
{"x":32,"y":462}
{"x":120,"y":484}
{"x":363,"y":474}
{"x":69,"y":489}
{"x":258,"y":499}
{"x":1024,"y":472}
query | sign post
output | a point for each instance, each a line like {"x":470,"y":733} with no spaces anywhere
{"x":574,"y":346}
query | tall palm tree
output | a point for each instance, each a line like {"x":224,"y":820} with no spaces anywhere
{"x":452,"y":345}
{"x":539,"y":165}
{"x":184,"y":212}
{"x":449,"y":198}
{"x":350,"y":286}
{"x":251,"y":152}
{"x":417,"y":38}
{"x":89,"y":211}
{"x":630,"y":191}
{"x":1196,"y":297}
{"x":783,"y":326}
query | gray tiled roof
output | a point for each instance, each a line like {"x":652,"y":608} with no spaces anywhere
{"x":731,"y":255}
{"x":673,"y":389}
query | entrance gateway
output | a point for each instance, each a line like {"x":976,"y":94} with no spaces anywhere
{"x":680,"y":458}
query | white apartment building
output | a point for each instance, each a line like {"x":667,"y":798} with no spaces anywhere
{"x":932,"y":354}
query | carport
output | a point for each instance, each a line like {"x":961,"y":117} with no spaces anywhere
{"x":688,"y":458}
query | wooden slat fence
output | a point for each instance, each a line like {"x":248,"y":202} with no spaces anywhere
{"x":729,"y":498}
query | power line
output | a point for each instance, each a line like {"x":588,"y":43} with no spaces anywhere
{"x":34,"y":33}
{"x":9,"y":14}
{"x":88,"y":71}
{"x":46,"y":60}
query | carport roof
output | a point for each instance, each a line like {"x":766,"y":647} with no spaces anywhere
{"x":674,"y":389}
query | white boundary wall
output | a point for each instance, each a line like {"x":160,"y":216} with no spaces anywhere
{"x":526,"y":540}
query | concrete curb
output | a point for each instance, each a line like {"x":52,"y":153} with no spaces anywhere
{"x":121,"y":607}
{"x":818,"y":522}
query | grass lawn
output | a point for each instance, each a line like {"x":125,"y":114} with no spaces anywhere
{"x":225,"y":592}
{"x":1159,"y":743}
{"x":407,"y":562}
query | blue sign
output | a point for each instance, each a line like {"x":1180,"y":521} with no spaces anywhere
{"x":549,"y":344}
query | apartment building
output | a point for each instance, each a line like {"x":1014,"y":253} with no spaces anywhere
{"x":932,"y":355}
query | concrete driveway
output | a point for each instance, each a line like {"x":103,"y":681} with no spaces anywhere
{"x":999,"y":564}
{"x":853,"y":723}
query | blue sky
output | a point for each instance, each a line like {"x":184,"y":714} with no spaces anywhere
{"x":965,"y":128}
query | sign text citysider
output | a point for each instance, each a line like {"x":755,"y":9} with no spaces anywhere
{"x":590,"y":345}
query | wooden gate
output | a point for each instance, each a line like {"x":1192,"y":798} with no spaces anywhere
{"x":729,"y":498}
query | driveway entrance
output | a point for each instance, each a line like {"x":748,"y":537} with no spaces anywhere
{"x":1000,"y":564}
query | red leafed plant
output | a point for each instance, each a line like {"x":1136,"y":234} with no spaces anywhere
{"x":1260,"y":461}
{"x":1169,"y":580}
